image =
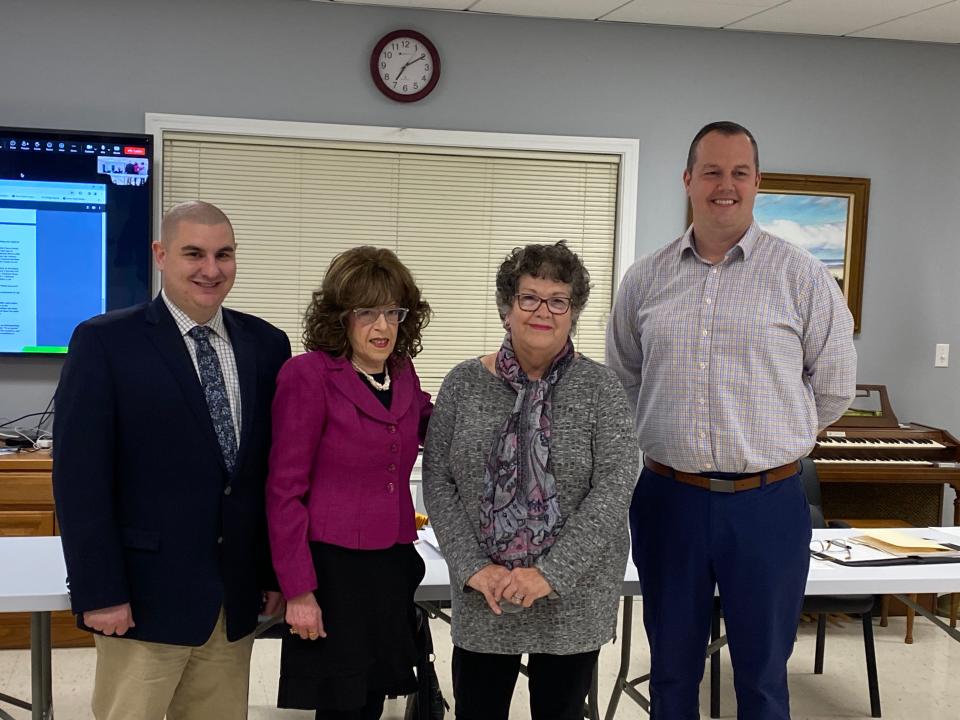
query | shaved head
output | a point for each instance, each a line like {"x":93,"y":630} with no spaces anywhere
{"x":193,"y":211}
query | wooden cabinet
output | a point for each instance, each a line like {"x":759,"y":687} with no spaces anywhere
{"x":16,"y":523}
{"x":26,"y":508}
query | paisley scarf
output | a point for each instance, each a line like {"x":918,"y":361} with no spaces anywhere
{"x":519,"y":510}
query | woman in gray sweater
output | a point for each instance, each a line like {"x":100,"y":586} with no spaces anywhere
{"x":529,"y":467}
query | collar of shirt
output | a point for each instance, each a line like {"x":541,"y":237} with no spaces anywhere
{"x":746,"y":243}
{"x":185,"y":324}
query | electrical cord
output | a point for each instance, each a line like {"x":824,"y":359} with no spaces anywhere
{"x":43,"y":417}
{"x":37,"y":434}
{"x":7,"y":421}
{"x":32,"y":441}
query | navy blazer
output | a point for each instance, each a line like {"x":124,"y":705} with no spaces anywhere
{"x":147,"y":510}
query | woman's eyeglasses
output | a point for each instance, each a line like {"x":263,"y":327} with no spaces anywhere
{"x":531,"y":303}
{"x":368,"y":316}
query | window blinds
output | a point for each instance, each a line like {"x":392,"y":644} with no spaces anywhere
{"x":450,"y":214}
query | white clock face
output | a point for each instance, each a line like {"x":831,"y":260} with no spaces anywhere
{"x":405,"y":65}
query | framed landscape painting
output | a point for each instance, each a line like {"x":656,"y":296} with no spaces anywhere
{"x":825,"y":215}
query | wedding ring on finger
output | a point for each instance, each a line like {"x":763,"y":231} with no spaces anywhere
{"x":517,"y":598}
{"x":313,"y":635}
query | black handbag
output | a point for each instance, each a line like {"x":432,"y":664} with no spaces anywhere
{"x":427,"y":703}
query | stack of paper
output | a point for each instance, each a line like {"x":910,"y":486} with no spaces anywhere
{"x":428,"y":536}
{"x":897,"y":542}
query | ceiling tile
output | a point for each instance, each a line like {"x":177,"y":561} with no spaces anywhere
{"x":426,"y":4}
{"x":917,"y":20}
{"x":574,"y":9}
{"x":939,"y":24}
{"x":696,"y":13}
{"x":830,"y":17}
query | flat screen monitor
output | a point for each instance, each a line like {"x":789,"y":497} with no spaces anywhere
{"x":75,"y":230}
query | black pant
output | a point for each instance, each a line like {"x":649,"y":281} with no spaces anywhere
{"x":371,"y":711}
{"x":483,"y":684}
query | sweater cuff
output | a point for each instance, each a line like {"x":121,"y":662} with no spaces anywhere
{"x":466,"y":572}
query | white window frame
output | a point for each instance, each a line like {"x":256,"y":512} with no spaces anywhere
{"x":628,"y":150}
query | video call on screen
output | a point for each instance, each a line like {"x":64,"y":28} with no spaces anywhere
{"x":74,"y":233}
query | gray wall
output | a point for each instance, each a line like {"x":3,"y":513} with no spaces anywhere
{"x":885,"y":110}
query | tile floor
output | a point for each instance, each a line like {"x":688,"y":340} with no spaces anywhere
{"x":917,"y":682}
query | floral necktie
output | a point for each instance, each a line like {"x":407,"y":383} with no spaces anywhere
{"x":215,"y":390}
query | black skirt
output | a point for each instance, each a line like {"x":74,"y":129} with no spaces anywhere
{"x":366,"y":601}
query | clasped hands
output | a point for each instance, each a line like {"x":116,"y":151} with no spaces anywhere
{"x":520,"y":586}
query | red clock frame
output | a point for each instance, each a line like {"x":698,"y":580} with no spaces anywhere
{"x":375,"y":67}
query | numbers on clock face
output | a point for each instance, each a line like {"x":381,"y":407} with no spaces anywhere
{"x":405,"y":65}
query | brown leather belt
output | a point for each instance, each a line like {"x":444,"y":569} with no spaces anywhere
{"x":749,"y":482}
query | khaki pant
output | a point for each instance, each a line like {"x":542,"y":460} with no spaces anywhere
{"x":139,"y":680}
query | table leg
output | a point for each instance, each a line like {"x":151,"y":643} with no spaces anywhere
{"x":622,"y":685}
{"x":715,"y":662}
{"x":954,"y":607}
{"x":40,"y":667}
{"x":910,"y":602}
{"x":625,"y":637}
{"x":593,"y":700}
{"x":47,"y":640}
{"x":910,"y":615}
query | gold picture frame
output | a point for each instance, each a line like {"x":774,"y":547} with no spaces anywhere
{"x":825,"y":214}
{"x":835,"y":194}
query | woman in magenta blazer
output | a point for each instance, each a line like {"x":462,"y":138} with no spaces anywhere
{"x":348,"y":420}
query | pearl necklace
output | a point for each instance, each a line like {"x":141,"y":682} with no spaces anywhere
{"x":382,"y":387}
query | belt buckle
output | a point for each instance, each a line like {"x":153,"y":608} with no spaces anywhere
{"x":723,"y":486}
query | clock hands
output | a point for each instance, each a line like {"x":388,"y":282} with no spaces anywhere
{"x":411,"y":62}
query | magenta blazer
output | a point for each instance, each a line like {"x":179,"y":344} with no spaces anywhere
{"x":340,"y":463}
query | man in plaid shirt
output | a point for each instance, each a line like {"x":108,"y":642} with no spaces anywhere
{"x":735,"y":348}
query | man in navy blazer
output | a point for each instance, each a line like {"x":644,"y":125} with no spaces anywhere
{"x":161,"y":439}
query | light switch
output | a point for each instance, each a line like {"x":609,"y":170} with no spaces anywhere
{"x":942,"y":356}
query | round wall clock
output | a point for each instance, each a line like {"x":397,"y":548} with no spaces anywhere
{"x":405,"y":66}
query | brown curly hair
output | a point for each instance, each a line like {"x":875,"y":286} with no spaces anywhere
{"x":364,"y":277}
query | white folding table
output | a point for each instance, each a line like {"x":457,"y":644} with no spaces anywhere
{"x":34,"y":580}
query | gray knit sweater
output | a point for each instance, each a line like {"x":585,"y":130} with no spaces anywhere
{"x":594,"y":454}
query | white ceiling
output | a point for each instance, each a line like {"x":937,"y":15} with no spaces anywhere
{"x":916,"y":20}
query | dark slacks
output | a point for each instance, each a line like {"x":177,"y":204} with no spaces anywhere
{"x":754,"y":546}
{"x":483,"y":684}
{"x":371,"y":711}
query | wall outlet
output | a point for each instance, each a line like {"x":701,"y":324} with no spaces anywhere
{"x":942,"y":356}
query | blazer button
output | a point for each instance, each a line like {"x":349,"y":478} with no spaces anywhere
{"x":220,"y":540}
{"x":389,"y":487}
{"x":391,"y":467}
{"x":227,"y":490}
{"x":391,"y":428}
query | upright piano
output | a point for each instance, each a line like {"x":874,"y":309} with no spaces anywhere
{"x":871,"y":466}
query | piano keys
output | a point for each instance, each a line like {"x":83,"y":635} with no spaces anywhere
{"x":872,"y":466}
{"x":878,"y":443}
